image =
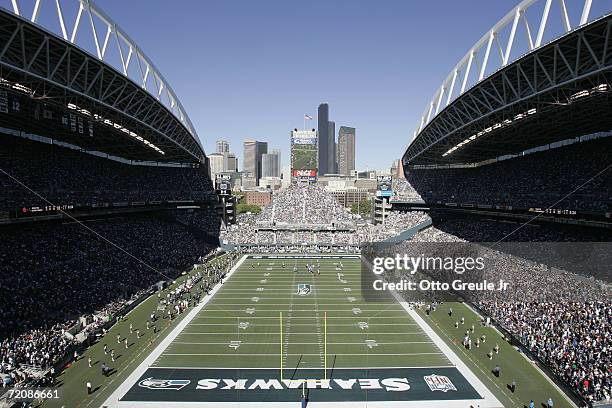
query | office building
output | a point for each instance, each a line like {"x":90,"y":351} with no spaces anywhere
{"x":346,"y":150}
{"x":260,"y":198}
{"x":222,"y":146}
{"x":253,"y":150}
{"x":230,"y":162}
{"x":215,"y":161}
{"x":323,"y":138}
{"x":270,"y":164}
{"x":397,"y":170}
{"x":331,"y":146}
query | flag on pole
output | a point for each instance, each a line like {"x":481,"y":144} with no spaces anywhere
{"x":307,"y":117}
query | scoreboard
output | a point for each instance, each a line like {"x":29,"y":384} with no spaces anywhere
{"x":384,"y":186}
{"x":223,"y":185}
{"x":304,"y":155}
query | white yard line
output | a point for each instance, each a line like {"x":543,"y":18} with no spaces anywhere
{"x":300,"y":343}
{"x":300,"y":354}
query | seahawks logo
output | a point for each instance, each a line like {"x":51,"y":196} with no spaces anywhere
{"x":157,"y":384}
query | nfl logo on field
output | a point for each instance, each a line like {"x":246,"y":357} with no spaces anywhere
{"x":303,"y":289}
{"x":439,"y":383}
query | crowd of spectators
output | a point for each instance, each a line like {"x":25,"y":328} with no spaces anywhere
{"x":68,"y":177}
{"x":308,"y":205}
{"x":403,"y":190}
{"x":572,"y":338}
{"x":52,"y":274}
{"x":310,"y":215}
{"x":537,"y":180}
{"x":395,"y":223}
{"x":562,"y":317}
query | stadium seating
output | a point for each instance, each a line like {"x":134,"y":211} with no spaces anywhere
{"x":535,"y":180}
{"x":67,"y":177}
{"x":561,"y":316}
{"x":52,"y":274}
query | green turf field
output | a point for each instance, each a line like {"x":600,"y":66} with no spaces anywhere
{"x":235,"y":335}
{"x":241,"y":327}
{"x":274,"y":325}
{"x":531,"y":383}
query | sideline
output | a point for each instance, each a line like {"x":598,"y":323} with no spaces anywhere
{"x":489,"y":400}
{"x":533,"y":364}
{"x":113,"y":400}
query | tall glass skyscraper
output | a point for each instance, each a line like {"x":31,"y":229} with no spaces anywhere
{"x":346,"y":150}
{"x":324,"y":138}
{"x":332,"y":166}
{"x":326,"y":141}
{"x":253,"y":150}
{"x":270,"y":164}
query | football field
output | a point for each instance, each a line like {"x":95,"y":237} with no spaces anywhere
{"x":285,"y":326}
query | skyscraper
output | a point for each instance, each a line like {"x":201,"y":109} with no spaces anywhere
{"x":253,"y":150}
{"x":332,"y":163}
{"x":230,"y":162}
{"x":270,"y":164}
{"x":346,"y":150}
{"x":222,"y":146}
{"x":324,"y":138}
{"x":215,"y":161}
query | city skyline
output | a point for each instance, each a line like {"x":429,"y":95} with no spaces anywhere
{"x":375,"y":78}
{"x":340,"y":149}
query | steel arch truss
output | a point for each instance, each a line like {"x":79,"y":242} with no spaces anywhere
{"x":486,"y":121}
{"x":57,"y":71}
{"x":80,"y":21}
{"x":480,"y":59}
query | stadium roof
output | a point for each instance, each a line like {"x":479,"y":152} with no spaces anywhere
{"x":556,"y":91}
{"x":136,"y":112}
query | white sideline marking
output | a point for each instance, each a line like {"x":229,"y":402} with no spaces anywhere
{"x":329,"y":333}
{"x":299,"y":317}
{"x":302,"y":368}
{"x":302,"y":324}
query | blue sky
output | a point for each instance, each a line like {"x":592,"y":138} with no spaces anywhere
{"x":251,"y":69}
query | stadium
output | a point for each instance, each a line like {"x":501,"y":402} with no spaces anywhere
{"x":128,"y":281}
